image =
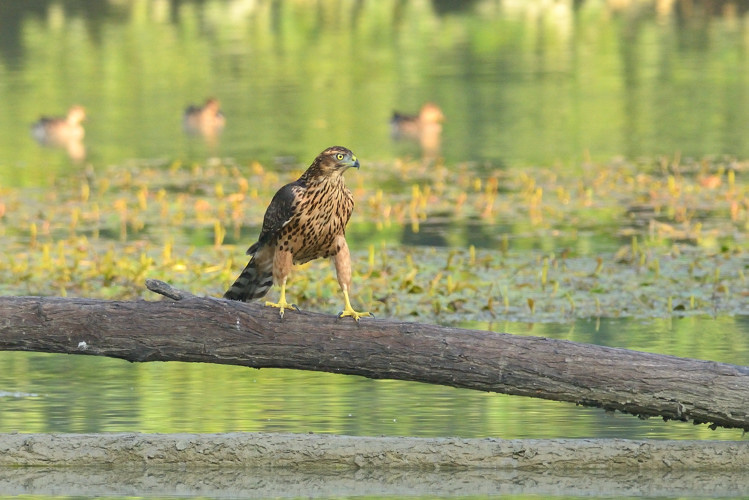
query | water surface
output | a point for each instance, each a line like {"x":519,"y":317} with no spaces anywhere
{"x":520,"y":83}
{"x":54,"y":393}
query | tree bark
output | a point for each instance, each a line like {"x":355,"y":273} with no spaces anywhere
{"x":213,"y":330}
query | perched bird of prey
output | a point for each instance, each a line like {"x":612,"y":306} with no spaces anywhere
{"x":305,"y":220}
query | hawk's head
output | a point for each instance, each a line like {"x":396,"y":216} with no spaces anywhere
{"x":334,"y":161}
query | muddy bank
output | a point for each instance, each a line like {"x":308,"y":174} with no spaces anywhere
{"x":241,"y":482}
{"x":320,"y":452}
{"x":260,"y":465}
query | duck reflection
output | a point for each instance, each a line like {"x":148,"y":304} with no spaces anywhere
{"x":425,"y":128}
{"x":63,"y":132}
{"x":207,"y":120}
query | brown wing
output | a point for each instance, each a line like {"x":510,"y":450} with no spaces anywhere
{"x":281,"y":209}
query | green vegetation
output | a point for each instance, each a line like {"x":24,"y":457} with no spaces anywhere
{"x":610,"y":240}
{"x":525,"y":224}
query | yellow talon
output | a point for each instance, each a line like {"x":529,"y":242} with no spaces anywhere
{"x":349,"y":311}
{"x":354,"y":314}
{"x":282,"y":304}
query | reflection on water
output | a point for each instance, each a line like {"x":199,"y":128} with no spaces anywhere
{"x":520,"y":82}
{"x":54,"y":393}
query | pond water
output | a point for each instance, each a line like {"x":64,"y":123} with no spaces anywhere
{"x":54,"y":393}
{"x":521,"y":84}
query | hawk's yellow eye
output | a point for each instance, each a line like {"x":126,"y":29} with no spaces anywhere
{"x":339,"y":156}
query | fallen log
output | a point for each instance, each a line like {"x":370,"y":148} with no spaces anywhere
{"x":204,"y":329}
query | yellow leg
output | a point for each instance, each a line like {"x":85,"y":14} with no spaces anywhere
{"x":282,"y":304}
{"x":349,"y":311}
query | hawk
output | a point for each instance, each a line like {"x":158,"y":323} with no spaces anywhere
{"x":306,"y":220}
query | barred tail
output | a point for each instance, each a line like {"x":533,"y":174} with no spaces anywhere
{"x":253,"y":283}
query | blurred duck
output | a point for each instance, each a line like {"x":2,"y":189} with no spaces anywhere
{"x":430,"y":117}
{"x":57,"y":131}
{"x":426,"y":128}
{"x":206,"y":120}
{"x":63,"y":132}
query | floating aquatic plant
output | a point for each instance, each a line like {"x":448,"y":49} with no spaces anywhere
{"x":454,"y":244}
